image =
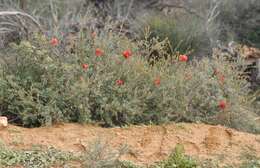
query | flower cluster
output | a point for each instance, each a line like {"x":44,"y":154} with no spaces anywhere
{"x":54,"y":41}
{"x":127,"y":54}
{"x":183,"y":58}
{"x":120,"y":82}
{"x":222,"y":104}
{"x":99,"y":52}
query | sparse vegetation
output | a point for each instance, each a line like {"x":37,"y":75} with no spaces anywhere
{"x":177,"y":159}
{"x":35,"y":158}
{"x":100,"y":155}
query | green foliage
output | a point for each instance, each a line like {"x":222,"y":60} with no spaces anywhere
{"x":36,"y":158}
{"x":240,"y":21}
{"x":125,"y":164}
{"x":101,"y":155}
{"x":42,"y":85}
{"x":185,"y":32}
{"x":177,"y":160}
{"x":251,"y":164}
{"x":250,"y":159}
{"x":36,"y":85}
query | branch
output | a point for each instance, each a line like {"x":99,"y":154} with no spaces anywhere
{"x":191,"y":11}
{"x":16,"y":13}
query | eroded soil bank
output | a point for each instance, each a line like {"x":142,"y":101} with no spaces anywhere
{"x":147,"y":144}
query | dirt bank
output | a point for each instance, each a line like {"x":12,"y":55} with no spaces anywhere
{"x":147,"y":144}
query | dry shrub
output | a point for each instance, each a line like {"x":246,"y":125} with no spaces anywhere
{"x":42,"y":85}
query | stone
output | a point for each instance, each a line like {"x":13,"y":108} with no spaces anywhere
{"x":3,"y":122}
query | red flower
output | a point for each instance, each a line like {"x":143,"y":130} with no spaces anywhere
{"x":99,"y":52}
{"x":127,"y":54}
{"x":183,"y":58}
{"x":157,"y":82}
{"x":54,"y":41}
{"x":120,"y":82}
{"x":222,"y":104}
{"x":85,"y":66}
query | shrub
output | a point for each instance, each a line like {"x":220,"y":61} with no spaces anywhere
{"x":185,"y":32}
{"x":251,"y":164}
{"x":42,"y":85}
{"x":177,"y":160}
{"x":101,"y":155}
{"x":239,"y":21}
{"x":35,"y":85}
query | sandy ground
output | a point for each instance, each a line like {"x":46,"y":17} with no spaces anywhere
{"x":147,"y":144}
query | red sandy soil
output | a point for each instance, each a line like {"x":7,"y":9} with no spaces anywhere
{"x":147,"y":144}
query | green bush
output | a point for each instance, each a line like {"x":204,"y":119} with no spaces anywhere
{"x":36,"y":85}
{"x":177,"y":160}
{"x":185,"y":32}
{"x":239,"y":21}
{"x":40,"y":85}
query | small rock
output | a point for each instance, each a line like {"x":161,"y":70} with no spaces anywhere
{"x":3,"y":122}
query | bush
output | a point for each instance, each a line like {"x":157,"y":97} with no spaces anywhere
{"x":42,"y":85}
{"x":185,"y":32}
{"x":36,"y":85}
{"x":177,"y":160}
{"x":100,"y":155}
{"x":240,"y":21}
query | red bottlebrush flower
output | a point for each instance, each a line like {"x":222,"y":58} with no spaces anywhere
{"x":183,"y":58}
{"x":120,"y":82}
{"x":99,"y":52}
{"x":127,"y":54}
{"x":222,"y":104}
{"x":54,"y":41}
{"x":157,"y":82}
{"x":85,"y":66}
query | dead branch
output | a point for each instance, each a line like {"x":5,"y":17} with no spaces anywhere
{"x":18,"y":14}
